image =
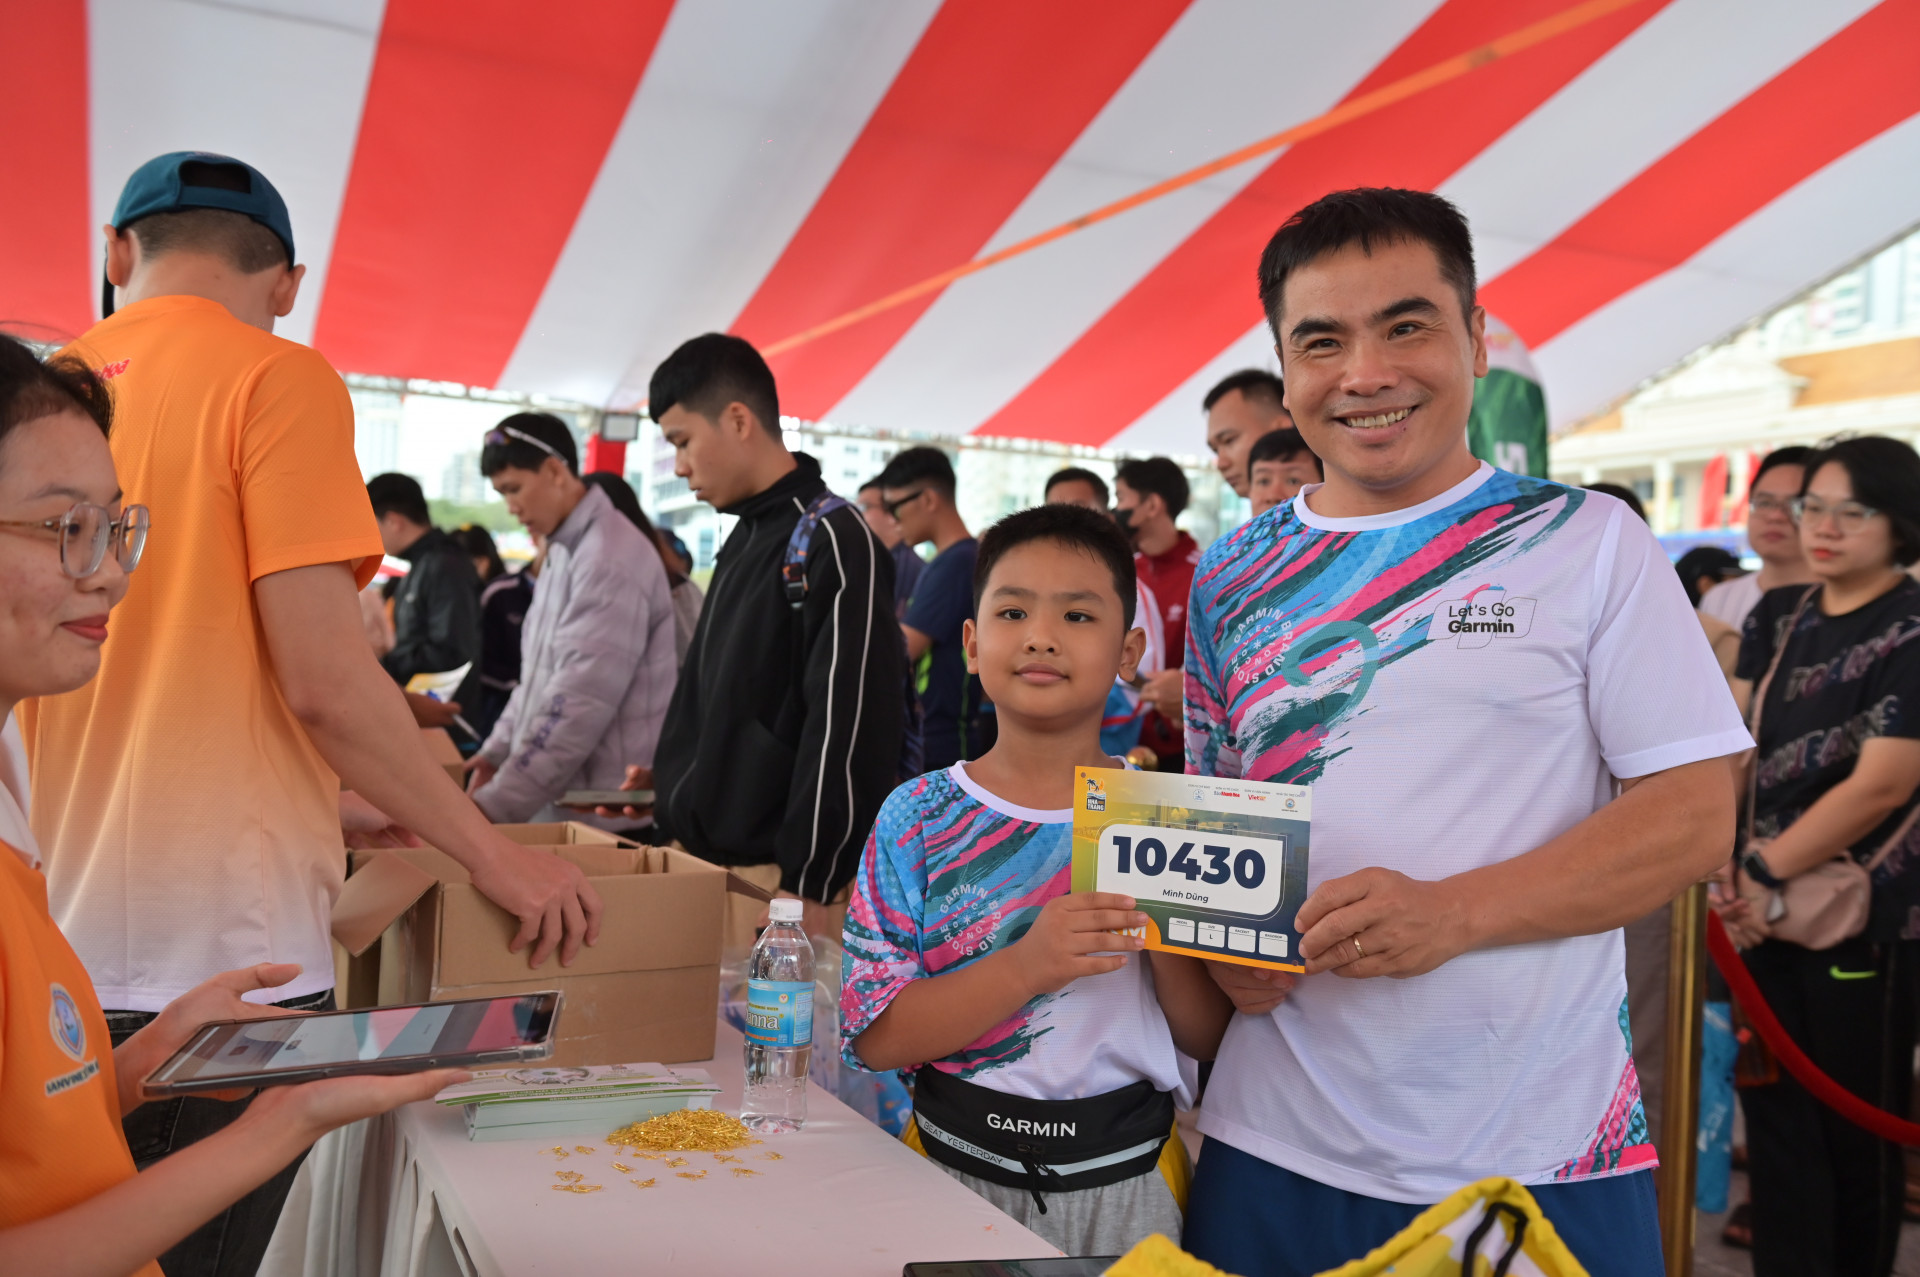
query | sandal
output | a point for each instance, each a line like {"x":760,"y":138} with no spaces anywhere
{"x":1739,"y":1230}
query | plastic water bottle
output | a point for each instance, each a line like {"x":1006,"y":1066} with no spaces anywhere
{"x":779,"y":1024}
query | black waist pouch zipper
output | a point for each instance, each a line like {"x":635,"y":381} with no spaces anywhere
{"x":1043,"y":1146}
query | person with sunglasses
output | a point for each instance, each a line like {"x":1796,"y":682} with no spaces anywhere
{"x":70,"y":1199}
{"x":917,"y":490}
{"x":189,"y":798}
{"x":1835,"y":669}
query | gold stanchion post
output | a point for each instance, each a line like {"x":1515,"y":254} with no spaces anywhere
{"x":1680,"y":1110}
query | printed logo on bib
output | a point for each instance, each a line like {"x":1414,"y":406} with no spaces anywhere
{"x":1483,"y":616}
{"x":69,"y":1034}
{"x":780,"y":1012}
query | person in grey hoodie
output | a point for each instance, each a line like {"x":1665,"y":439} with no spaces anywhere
{"x":597,"y":662}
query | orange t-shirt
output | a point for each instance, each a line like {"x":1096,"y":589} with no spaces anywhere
{"x":187,"y":824}
{"x":60,"y":1140}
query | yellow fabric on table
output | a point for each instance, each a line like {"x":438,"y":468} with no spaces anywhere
{"x":1425,"y":1248}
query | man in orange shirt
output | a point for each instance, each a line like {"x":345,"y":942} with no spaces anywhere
{"x":189,"y":799}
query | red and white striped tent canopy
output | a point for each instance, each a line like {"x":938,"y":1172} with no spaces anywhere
{"x":548,"y":197}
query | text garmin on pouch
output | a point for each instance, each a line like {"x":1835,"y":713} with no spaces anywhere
{"x":1021,"y":1126}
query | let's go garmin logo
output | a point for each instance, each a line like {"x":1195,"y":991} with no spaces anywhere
{"x":1484,"y":616}
{"x":1021,"y":1126}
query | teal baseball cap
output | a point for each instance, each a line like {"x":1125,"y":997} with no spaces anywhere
{"x":200,"y":179}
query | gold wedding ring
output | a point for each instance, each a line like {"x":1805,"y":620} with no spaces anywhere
{"x":1356,"y":945}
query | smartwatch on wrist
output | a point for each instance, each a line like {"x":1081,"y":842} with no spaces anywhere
{"x":1754,"y":867}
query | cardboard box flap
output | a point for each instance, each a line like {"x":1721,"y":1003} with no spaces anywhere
{"x":562,"y":833}
{"x":383,"y":887}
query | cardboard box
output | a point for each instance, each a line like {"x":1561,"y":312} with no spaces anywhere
{"x":417,"y":930}
{"x":440,"y":744}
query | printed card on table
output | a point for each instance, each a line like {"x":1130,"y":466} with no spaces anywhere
{"x":1218,"y":866}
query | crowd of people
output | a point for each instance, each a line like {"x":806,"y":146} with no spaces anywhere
{"x":1520,"y":734}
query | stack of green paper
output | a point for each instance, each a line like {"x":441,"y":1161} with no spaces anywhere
{"x":550,"y":1103}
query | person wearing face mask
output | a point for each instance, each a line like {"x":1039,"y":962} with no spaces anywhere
{"x":70,"y":1198}
{"x":1148,"y":495}
{"x":1830,"y":672}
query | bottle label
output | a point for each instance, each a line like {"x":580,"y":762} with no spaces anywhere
{"x":780,"y":1012}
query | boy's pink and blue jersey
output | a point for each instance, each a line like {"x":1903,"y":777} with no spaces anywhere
{"x":952,"y":873}
{"x":1460,"y":682}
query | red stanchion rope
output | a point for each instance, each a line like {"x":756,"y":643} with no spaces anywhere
{"x":1787,"y":1051}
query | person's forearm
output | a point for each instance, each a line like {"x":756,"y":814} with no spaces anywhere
{"x":355,"y":716}
{"x":1196,"y":1008}
{"x":931,"y":1019}
{"x":113,"y":1233}
{"x":1627,"y":859}
{"x":1840,"y":818}
{"x":133,"y":1060}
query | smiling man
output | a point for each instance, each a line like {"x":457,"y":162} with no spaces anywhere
{"x":784,"y":733}
{"x":1469,"y":667}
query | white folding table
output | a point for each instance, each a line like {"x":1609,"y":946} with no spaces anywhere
{"x":409,"y":1195}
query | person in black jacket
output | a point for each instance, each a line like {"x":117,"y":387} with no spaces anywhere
{"x":436,"y":610}
{"x":784,"y":733}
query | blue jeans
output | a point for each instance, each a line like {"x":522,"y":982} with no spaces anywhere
{"x":1256,"y":1219}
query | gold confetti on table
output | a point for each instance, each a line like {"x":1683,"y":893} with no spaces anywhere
{"x":675,"y":1161}
{"x":687,"y":1130}
{"x":556,"y":1151}
{"x":575,"y":1188}
{"x":743,"y":1172}
{"x":568,"y":1177}
{"x":725,"y":1157}
{"x":691,"y":1174}
{"x":772,"y":1157}
{"x":624,"y":1170}
{"x":643,"y":1183}
{"x":581,"y":1148}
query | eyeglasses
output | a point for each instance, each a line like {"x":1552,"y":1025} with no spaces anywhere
{"x":1848,"y":516}
{"x":85,"y":532}
{"x":893,"y":508}
{"x":497,"y":438}
{"x":1768,"y":504}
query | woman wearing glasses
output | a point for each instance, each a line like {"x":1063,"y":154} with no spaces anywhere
{"x":1831,"y":674}
{"x":70,"y":1200}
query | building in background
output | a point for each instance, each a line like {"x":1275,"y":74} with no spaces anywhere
{"x":1843,"y":359}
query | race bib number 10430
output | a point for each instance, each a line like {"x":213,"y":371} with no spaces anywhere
{"x":1219,"y":873}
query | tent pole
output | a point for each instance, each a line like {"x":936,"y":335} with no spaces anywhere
{"x":1680,"y":1110}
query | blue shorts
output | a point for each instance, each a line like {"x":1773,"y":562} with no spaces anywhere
{"x":1256,"y":1219}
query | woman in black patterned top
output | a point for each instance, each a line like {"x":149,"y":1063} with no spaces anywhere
{"x":1837,"y":771}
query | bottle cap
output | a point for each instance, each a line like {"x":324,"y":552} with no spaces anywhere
{"x":785,"y":910}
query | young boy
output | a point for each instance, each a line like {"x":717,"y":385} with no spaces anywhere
{"x":1278,"y":465}
{"x":1047,"y":1074}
